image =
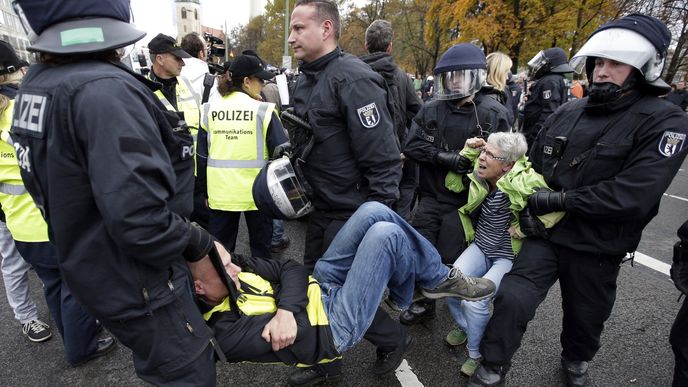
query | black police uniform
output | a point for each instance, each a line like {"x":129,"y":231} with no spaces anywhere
{"x":678,"y":338}
{"x":114,"y":181}
{"x":355,"y":157}
{"x":545,"y":96}
{"x":406,"y":106}
{"x":613,"y":161}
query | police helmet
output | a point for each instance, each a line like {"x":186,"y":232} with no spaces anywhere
{"x":461,"y":72}
{"x":637,"y":40}
{"x":551,"y":60}
{"x":69,"y":27}
{"x":278,"y":193}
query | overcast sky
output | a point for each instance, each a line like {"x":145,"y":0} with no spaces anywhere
{"x":155,"y":16}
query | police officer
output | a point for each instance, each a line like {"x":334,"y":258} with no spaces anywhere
{"x":178,"y":95}
{"x":240,"y":133}
{"x":548,"y":93}
{"x":112,"y":172}
{"x":439,"y":131}
{"x":15,"y":270}
{"x":355,"y":154}
{"x":609,"y":158}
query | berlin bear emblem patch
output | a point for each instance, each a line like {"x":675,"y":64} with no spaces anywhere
{"x":547,"y":94}
{"x":369,"y":115}
{"x":671,"y":143}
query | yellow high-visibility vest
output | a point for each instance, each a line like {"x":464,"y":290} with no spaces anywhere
{"x":24,"y":220}
{"x":237,"y":127}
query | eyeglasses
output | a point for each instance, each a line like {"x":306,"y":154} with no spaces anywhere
{"x":491,"y":155}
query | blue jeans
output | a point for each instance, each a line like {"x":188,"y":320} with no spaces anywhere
{"x":374,"y":250}
{"x":277,"y":231}
{"x":473,"y":316}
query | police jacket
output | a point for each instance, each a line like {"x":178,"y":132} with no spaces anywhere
{"x":614,"y":162}
{"x":355,"y":157}
{"x":407,"y":103}
{"x":545,"y":96}
{"x":114,"y":181}
{"x":441,"y":126}
{"x":268,"y":285}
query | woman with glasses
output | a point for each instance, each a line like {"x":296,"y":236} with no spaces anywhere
{"x":498,"y":189}
{"x":240,"y":134}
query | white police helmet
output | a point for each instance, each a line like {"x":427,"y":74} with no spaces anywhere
{"x":637,"y":40}
{"x":278,"y":193}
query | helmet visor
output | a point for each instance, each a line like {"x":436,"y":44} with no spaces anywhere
{"x":537,"y":63}
{"x":286,"y":190}
{"x":459,"y":83}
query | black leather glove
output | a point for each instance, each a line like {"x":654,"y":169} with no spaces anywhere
{"x":544,"y":201}
{"x":531,"y":225}
{"x":454,"y":162}
{"x":282,"y":150}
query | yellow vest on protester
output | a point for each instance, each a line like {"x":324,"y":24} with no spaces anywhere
{"x":24,"y":220}
{"x":237,"y":126}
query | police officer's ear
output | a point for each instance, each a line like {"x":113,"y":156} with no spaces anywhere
{"x":327,"y":28}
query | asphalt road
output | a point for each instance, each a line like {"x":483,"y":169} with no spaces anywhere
{"x":635,"y":349}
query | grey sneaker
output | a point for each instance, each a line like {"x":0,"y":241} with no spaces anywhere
{"x":37,"y":331}
{"x":460,"y":286}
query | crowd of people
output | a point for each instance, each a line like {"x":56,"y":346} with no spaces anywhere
{"x":124,"y":192}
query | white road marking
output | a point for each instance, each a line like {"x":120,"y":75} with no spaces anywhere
{"x":676,"y":197}
{"x":652,"y":263}
{"x":406,"y":376}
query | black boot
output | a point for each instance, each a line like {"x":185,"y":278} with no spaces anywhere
{"x":389,"y":359}
{"x":319,"y":373}
{"x":575,"y":372}
{"x":419,"y":311}
{"x":488,"y":375}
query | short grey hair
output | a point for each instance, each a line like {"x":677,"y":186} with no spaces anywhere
{"x":378,"y":36}
{"x":512,"y":146}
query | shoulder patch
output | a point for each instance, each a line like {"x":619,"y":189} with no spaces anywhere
{"x":547,"y":94}
{"x":369,"y":115}
{"x":671,"y":143}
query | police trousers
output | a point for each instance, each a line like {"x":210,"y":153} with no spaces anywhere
{"x":171,"y":345}
{"x":323,"y":226}
{"x":679,"y":344}
{"x":588,"y":291}
{"x":224,"y":225}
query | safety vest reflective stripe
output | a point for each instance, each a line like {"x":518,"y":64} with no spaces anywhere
{"x":12,"y":189}
{"x":260,"y":145}
{"x":196,"y":97}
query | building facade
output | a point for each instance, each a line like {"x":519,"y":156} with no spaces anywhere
{"x":188,"y":17}
{"x":12,"y":31}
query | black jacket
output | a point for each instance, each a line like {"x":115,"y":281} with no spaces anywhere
{"x":616,"y":163}
{"x":453,"y":126}
{"x":239,"y":334}
{"x":544,"y":97}
{"x":407,"y":100}
{"x":114,"y":181}
{"x":356,"y":156}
